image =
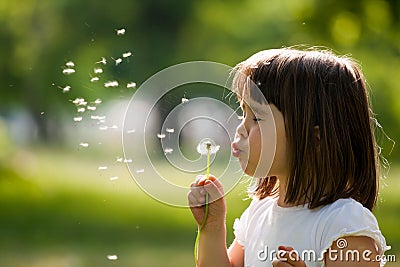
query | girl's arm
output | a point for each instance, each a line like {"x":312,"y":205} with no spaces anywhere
{"x":212,"y":249}
{"x":359,"y":251}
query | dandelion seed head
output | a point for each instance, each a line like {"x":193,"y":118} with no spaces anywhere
{"x":207,"y":146}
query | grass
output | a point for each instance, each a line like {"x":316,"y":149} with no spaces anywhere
{"x":57,"y":209}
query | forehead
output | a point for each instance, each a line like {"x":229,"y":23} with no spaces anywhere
{"x":255,"y":106}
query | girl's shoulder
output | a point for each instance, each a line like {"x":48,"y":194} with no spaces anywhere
{"x":347,"y":217}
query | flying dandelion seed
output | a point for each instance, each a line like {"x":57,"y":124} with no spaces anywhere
{"x":68,"y":71}
{"x":102,"y":168}
{"x":77,"y":119}
{"x":70,"y":64}
{"x":111,"y":84}
{"x":168,"y":150}
{"x":206,"y":146}
{"x":97,"y":101}
{"x":131,"y":85}
{"x":98,"y":70}
{"x":79,"y":102}
{"x":91,"y":108}
{"x":131,"y":131}
{"x":112,"y":257}
{"x":121,"y":31}
{"x":66,"y":89}
{"x":127,"y":54}
{"x":42,"y":113}
{"x":103,"y":128}
{"x":113,"y":178}
{"x":127,"y":160}
{"x":161,"y":136}
{"x":114,"y":127}
{"x":94,"y":79}
{"x":170,"y":130}
{"x":85,"y":145}
{"x":184,"y":100}
{"x":140,"y":171}
{"x":95,"y":117}
{"x":102,"y":61}
{"x":81,"y":110}
{"x":118,"y":61}
{"x":119,"y":159}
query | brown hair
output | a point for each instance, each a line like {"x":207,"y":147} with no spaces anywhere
{"x":317,"y":88}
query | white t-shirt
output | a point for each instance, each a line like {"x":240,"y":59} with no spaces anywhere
{"x":264,"y":226}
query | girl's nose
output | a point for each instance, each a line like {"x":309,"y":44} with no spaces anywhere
{"x":241,"y":130}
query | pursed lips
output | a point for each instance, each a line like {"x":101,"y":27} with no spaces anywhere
{"x":235,"y":150}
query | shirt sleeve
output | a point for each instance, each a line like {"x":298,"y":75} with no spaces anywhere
{"x":240,"y":226}
{"x":351,"y":219}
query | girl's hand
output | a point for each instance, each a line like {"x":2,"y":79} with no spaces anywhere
{"x":287,"y":257}
{"x":197,"y":200}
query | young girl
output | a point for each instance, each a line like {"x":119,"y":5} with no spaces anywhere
{"x":312,"y":199}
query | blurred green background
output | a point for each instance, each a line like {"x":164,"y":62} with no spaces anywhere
{"x":56,"y":207}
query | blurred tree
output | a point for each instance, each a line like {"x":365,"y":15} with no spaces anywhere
{"x":39,"y":37}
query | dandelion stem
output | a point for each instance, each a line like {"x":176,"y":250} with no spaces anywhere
{"x":206,"y":207}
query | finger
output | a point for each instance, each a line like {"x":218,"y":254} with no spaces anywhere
{"x":203,"y":179}
{"x":289,"y":255}
{"x":215,"y":192}
{"x":286,"y":248}
{"x":195,"y":202}
{"x":280,"y":263}
{"x":198,"y":192}
{"x":199,"y":178}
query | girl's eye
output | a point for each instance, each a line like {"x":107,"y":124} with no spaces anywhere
{"x":256,"y":119}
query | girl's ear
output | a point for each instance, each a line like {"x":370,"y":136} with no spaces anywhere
{"x":317,"y":135}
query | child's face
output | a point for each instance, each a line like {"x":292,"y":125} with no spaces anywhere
{"x":260,"y":141}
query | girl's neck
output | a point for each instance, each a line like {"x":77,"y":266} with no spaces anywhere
{"x":282,"y":195}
